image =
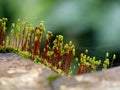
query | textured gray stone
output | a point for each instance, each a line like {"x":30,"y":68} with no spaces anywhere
{"x":17,"y":73}
{"x":107,"y":80}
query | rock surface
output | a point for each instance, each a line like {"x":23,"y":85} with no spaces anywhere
{"x":17,"y":73}
{"x":107,"y":80}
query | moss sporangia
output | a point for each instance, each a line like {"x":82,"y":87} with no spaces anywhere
{"x":27,"y":40}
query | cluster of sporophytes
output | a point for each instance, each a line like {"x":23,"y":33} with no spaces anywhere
{"x":25,"y":37}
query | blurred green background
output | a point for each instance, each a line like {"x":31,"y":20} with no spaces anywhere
{"x":90,"y":24}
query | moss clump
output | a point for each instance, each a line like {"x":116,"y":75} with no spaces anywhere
{"x":12,"y":50}
{"x":52,"y":77}
{"x":27,"y":41}
{"x":6,"y":50}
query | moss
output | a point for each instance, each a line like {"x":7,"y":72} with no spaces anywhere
{"x":27,"y":55}
{"x":27,"y":41}
{"x":7,"y":50}
{"x":52,"y":77}
{"x":12,"y":50}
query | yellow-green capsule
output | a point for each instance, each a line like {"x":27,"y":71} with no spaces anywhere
{"x":86,"y":51}
{"x":76,"y":59}
{"x":18,"y":21}
{"x":114,"y":57}
{"x":107,"y":54}
{"x":36,"y":38}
